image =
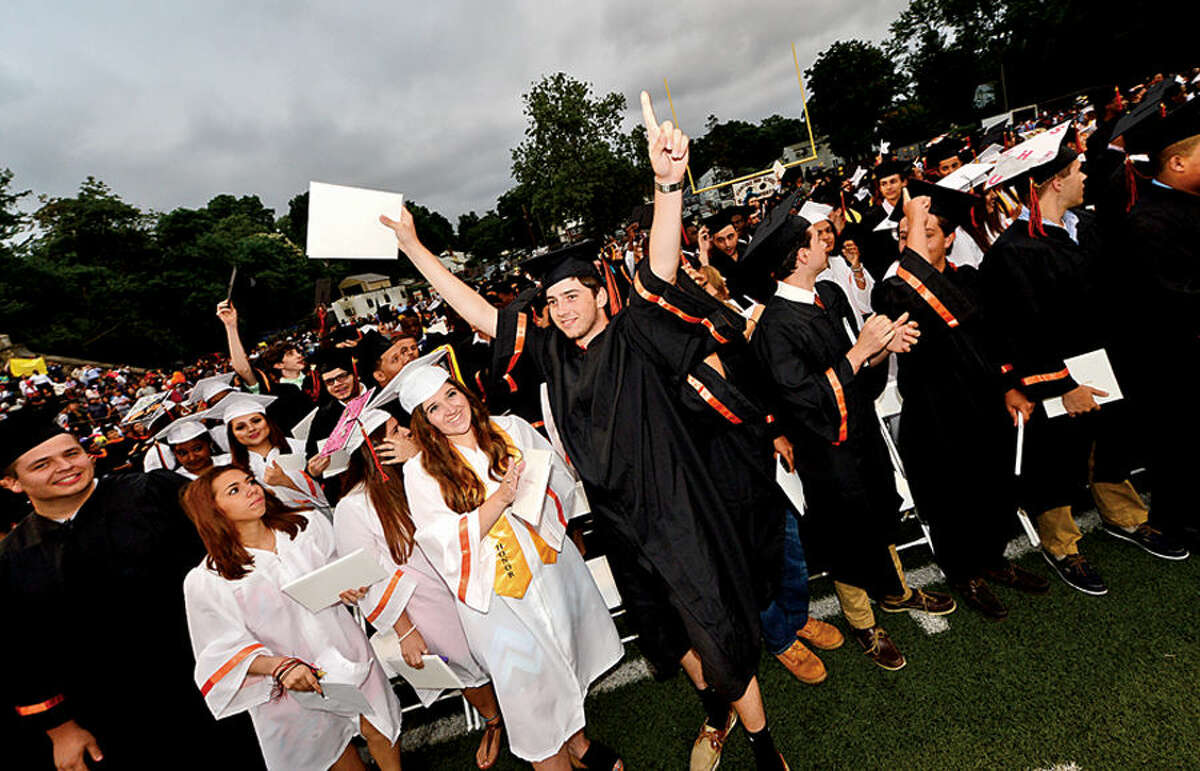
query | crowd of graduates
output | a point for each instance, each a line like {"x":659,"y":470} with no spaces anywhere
{"x":707,"y":394}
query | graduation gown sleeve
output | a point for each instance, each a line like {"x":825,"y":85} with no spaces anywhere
{"x":223,"y":647}
{"x":385,"y":600}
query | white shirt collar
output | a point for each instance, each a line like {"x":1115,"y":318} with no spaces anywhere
{"x":1070,"y":222}
{"x":795,"y":293}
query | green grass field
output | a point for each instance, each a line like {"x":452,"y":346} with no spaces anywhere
{"x":1100,"y":682}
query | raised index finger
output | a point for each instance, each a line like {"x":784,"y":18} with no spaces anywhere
{"x":648,"y":114}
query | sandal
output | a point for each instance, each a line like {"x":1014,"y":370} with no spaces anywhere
{"x":489,"y":745}
{"x":600,"y":757}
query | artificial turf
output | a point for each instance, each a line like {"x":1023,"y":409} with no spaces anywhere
{"x":1100,"y":682}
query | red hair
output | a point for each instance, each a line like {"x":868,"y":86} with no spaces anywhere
{"x":226,"y":554}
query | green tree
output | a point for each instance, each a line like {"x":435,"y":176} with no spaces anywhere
{"x":852,"y":83}
{"x":572,"y":160}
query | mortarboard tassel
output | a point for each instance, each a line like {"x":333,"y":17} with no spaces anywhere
{"x":683,"y":233}
{"x":374,"y":457}
{"x":1130,"y":184}
{"x":1035,"y":211}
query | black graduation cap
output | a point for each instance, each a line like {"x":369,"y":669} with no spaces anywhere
{"x":775,"y":237}
{"x":369,"y":350}
{"x":1158,"y":125}
{"x":643,"y":215}
{"x":327,"y":359}
{"x":573,"y":261}
{"x":889,"y":168}
{"x":719,"y":221}
{"x":947,"y":148}
{"x":23,"y":430}
{"x":946,"y":202}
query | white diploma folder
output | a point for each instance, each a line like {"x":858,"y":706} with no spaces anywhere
{"x":789,"y":482}
{"x":1092,"y":369}
{"x":343,"y":222}
{"x":531,"y":488}
{"x":320,"y":588}
{"x":340,"y":698}
{"x":435,"y":675}
{"x":602,"y":575}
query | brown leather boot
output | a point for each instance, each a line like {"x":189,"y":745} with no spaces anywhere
{"x":977,"y":594}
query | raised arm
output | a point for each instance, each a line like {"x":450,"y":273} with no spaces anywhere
{"x":668,"y":148}
{"x":469,"y":304}
{"x":237,"y":354}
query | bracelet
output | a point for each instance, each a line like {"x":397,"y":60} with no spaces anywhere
{"x":668,"y":188}
{"x":411,"y":629}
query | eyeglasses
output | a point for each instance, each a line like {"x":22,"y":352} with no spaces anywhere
{"x":342,"y":378}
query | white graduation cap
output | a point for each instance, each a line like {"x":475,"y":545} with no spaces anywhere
{"x":207,"y":388}
{"x":368,"y":422}
{"x":990,"y":153}
{"x":966,"y":176}
{"x":887,"y":224}
{"x":815,"y":212}
{"x":182,"y":430}
{"x":857,"y":176}
{"x":1027,"y":155}
{"x":238,"y":406}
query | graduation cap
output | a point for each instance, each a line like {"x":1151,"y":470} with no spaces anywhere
{"x":775,"y":238}
{"x":239,"y":406}
{"x":328,"y":359}
{"x":24,"y":430}
{"x":940,"y":151}
{"x":813,"y":212}
{"x":719,"y":221}
{"x":574,"y":261}
{"x":1039,"y":158}
{"x":209,"y":387}
{"x":1154,"y":127}
{"x":952,"y":205}
{"x":369,"y":350}
{"x":891,"y":168}
{"x":183,"y":430}
{"x":643,"y":215}
{"x":966,"y":176}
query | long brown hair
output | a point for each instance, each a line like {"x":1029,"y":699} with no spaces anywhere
{"x":461,"y":489}
{"x":386,"y":494}
{"x":241,"y":454}
{"x":226,"y":554}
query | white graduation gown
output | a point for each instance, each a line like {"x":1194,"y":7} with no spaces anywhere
{"x":413,"y":586}
{"x":545,"y":649}
{"x":233,"y":622}
{"x":839,"y":272}
{"x":312,"y":497}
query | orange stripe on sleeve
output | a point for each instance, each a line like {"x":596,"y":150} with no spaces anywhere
{"x":1005,"y":369}
{"x":464,"y":542}
{"x":387,"y":595}
{"x":227,"y":667}
{"x":840,"y":395}
{"x":519,"y":345}
{"x":927,"y":296}
{"x":713,"y":401}
{"x":35,"y":709}
{"x":1046,"y":378}
{"x":662,"y":303}
{"x":558,"y":504}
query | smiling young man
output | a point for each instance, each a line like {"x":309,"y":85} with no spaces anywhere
{"x":613,"y":392}
{"x":103,"y":562}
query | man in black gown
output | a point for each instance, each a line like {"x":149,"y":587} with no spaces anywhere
{"x":97,"y":640}
{"x":956,"y":439}
{"x":614,"y":394}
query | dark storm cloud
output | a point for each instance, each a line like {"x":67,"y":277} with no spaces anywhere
{"x":172,"y":103}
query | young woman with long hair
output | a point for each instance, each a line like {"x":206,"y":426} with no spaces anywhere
{"x":529,"y":606}
{"x":256,"y":442}
{"x":414,"y":603}
{"x":253,"y":644}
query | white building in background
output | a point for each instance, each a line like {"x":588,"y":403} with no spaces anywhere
{"x":363,"y":293}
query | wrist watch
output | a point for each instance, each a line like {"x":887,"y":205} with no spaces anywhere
{"x":668,"y":188}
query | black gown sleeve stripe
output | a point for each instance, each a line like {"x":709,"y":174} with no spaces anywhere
{"x":929,"y":297}
{"x":839,"y":396}
{"x":712,"y":401}
{"x":522,"y":325}
{"x":662,"y":302}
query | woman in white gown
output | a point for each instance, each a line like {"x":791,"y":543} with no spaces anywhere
{"x":414,"y":602}
{"x":529,"y":606}
{"x":255,"y":646}
{"x":277,"y":461}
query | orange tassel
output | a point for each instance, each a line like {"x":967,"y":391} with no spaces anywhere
{"x":1130,"y":184}
{"x":1035,"y":212}
{"x":371,"y":447}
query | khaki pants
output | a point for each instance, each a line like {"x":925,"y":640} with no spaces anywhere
{"x":856,"y":603}
{"x":1119,"y":505}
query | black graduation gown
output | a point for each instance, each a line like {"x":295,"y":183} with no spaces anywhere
{"x":1159,"y":257}
{"x":1042,"y":305}
{"x":881,"y":248}
{"x":828,"y":412}
{"x":742,"y":284}
{"x":669,"y":537}
{"x":97,"y":631}
{"x":956,"y":438}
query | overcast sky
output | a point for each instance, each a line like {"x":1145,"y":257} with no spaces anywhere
{"x":171,"y":103}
